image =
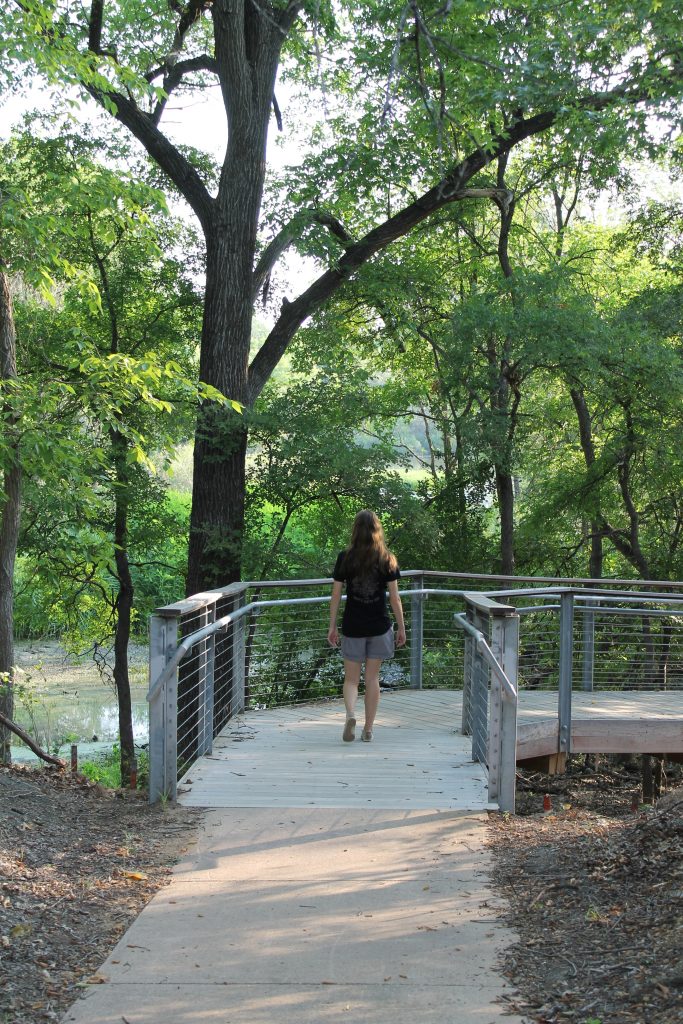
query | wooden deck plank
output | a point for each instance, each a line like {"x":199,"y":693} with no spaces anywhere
{"x":294,"y":757}
{"x":603,"y":722}
{"x":534,"y":704}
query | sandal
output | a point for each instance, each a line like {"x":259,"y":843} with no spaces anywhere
{"x":349,"y":733}
{"x":366,"y":735}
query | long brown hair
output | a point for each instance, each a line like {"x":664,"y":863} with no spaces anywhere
{"x":367,"y":550}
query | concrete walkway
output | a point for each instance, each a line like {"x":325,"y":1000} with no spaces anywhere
{"x":331,"y":882}
{"x":308,"y":916}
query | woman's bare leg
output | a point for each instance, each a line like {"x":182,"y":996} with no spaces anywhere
{"x":351,"y":680}
{"x":372,"y":666}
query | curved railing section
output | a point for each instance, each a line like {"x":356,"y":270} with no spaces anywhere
{"x":264,"y":643}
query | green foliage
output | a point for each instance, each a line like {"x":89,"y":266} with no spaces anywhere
{"x":106,"y":769}
{"x":50,"y":599}
{"x":433,"y":373}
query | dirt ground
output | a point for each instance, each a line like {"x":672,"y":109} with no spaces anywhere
{"x":77,"y":865}
{"x":594,"y":889}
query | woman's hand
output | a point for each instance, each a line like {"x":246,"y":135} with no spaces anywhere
{"x":401,"y":636}
{"x":333,"y":636}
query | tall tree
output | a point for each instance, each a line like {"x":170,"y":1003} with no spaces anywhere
{"x":486,"y":78}
{"x":102,"y":368}
{"x":10,"y":512}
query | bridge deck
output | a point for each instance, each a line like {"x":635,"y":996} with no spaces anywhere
{"x":603,"y":722}
{"x":294,"y":756}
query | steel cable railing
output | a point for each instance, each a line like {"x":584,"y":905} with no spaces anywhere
{"x":263,"y":644}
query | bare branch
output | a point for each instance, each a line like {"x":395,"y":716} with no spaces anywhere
{"x":175,"y":76}
{"x":277,"y":112}
{"x":179,"y":169}
{"x":18,"y":731}
{"x":284,"y":238}
{"x":183,"y":67}
{"x":191,"y":13}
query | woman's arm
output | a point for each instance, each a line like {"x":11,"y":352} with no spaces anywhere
{"x":332,"y":634}
{"x":397,"y":609}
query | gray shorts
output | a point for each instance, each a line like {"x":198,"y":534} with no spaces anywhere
{"x":359,"y":648}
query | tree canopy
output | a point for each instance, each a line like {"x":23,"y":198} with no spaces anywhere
{"x":423,"y":103}
{"x":481,"y":338}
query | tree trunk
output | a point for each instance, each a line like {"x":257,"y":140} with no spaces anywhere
{"x":461,"y":486}
{"x":588,"y":448}
{"x":506,"y":509}
{"x":596,"y":556}
{"x":11,"y":511}
{"x":247,"y":74}
{"x":502,"y":403}
{"x":221,"y":437}
{"x":124,"y":607}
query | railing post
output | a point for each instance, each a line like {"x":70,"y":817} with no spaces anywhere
{"x":163,"y":710}
{"x":495,"y":712}
{"x":479,"y":696}
{"x":467,"y":684}
{"x":566,"y":671}
{"x":588,"y":666}
{"x":238,"y":655}
{"x":416,"y":633}
{"x":205,"y":667}
{"x":508,"y":735}
{"x":471,"y":678}
{"x":502,"y":740}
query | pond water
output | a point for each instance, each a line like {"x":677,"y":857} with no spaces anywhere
{"x":62,"y":700}
{"x":89,"y":720}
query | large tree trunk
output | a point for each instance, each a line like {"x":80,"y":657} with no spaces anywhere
{"x":11,"y":511}
{"x":247,"y":69}
{"x":596,"y":556}
{"x":502,"y":400}
{"x":585,"y":423}
{"x":221,"y":437}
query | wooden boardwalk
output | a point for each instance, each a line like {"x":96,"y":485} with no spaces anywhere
{"x":419,"y":759}
{"x":603,"y":722}
{"x":295,"y":757}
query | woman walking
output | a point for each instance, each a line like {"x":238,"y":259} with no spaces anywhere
{"x":368,"y":568}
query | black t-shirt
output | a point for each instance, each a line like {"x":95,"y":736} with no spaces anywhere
{"x":365,"y":611}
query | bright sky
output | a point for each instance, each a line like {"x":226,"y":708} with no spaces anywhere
{"x":192,"y":123}
{"x":200,"y":122}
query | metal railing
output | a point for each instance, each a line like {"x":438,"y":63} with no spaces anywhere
{"x":264,"y":644}
{"x":489,"y":703}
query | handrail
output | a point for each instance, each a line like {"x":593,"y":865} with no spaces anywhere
{"x":509,"y":689}
{"x":609,"y":595}
{"x":218,"y":626}
{"x":197,"y":601}
{"x":221,"y":624}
